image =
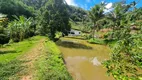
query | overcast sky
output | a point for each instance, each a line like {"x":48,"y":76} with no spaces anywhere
{"x":87,"y":4}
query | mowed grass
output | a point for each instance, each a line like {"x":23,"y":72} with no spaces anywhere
{"x":12,"y":51}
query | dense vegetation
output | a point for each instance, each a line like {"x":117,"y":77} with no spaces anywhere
{"x":125,"y":61}
{"x":22,"y":19}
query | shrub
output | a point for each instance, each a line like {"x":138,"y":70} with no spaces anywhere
{"x":20,"y":28}
{"x":4,"y":37}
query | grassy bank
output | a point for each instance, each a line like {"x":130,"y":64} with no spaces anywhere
{"x":10,"y":65}
{"x":97,"y":41}
{"x":10,"y":69}
{"x":50,"y":65}
{"x":13,"y":50}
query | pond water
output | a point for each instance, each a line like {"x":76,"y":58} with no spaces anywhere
{"x":83,"y":60}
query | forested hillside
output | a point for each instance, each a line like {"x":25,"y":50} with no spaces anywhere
{"x":43,"y":16}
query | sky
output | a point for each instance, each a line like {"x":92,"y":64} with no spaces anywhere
{"x":87,"y":4}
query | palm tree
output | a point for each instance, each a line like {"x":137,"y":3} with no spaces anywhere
{"x":96,"y":14}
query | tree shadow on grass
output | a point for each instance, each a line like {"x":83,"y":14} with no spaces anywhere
{"x":7,"y":51}
{"x":71,"y":44}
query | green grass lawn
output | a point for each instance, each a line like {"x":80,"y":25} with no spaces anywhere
{"x":14,"y":50}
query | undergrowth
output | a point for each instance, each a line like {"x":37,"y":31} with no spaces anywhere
{"x":10,"y":69}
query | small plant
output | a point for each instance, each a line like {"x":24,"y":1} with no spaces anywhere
{"x":58,"y":35}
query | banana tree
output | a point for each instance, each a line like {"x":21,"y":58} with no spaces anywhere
{"x":19,"y":28}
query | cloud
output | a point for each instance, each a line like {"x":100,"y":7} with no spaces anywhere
{"x":109,"y":5}
{"x":108,"y":8}
{"x":71,"y":2}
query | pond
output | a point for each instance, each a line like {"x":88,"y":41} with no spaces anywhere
{"x":83,"y":60}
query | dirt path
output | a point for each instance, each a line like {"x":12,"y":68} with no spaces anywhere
{"x":30,"y":58}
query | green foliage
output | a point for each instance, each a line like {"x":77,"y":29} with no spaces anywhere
{"x":125,"y":62}
{"x":79,"y":18}
{"x":43,"y":26}
{"x":55,"y":18}
{"x":86,"y":36}
{"x":77,"y":14}
{"x":58,"y":35}
{"x":126,"y":58}
{"x":96,"y":15}
{"x":36,"y":4}
{"x":84,"y":27}
{"x":51,"y":65}
{"x":20,"y":29}
{"x":14,"y":7}
{"x":96,"y":41}
{"x":121,"y":17}
{"x":4,"y":38}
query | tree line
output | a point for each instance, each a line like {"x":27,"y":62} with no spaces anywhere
{"x":42,"y":17}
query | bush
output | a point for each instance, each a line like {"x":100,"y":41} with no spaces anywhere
{"x":20,"y":29}
{"x":86,"y":36}
{"x":4,"y":38}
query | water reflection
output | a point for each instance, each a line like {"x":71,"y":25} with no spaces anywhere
{"x":72,"y":44}
{"x":96,"y":62}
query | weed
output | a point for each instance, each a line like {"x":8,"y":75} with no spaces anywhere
{"x":10,"y":69}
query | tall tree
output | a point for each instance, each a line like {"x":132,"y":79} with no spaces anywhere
{"x":57,"y":18}
{"x":96,"y":14}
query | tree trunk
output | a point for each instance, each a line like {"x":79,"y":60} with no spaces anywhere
{"x":94,"y":31}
